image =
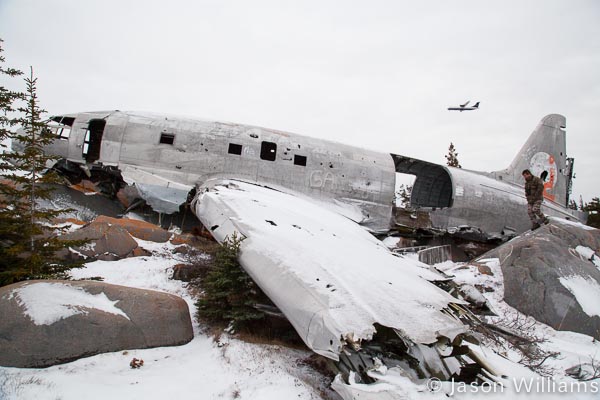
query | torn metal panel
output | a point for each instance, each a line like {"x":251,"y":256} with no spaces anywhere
{"x":331,"y":278}
{"x":163,"y":195}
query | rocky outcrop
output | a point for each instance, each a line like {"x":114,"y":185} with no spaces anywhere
{"x":112,"y":239}
{"x":549,"y":275}
{"x":46,"y":323}
{"x":106,"y":242}
{"x":189,"y":272}
{"x":139,"y":229}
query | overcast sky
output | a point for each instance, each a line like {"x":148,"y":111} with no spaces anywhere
{"x":375,"y":74}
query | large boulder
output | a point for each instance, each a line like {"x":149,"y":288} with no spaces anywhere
{"x":52,"y":322}
{"x":139,"y":229}
{"x":106,"y":242}
{"x":553,"y":275}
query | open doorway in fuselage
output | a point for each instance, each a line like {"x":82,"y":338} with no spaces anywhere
{"x":93,"y":140}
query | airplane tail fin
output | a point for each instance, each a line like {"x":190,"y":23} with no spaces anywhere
{"x":476,"y":105}
{"x":544,"y":154}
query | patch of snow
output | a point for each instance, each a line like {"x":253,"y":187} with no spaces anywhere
{"x":588,"y":254}
{"x":444,"y":265}
{"x":586,"y":291}
{"x":201,"y":369}
{"x":134,"y":216}
{"x":139,"y":272}
{"x":48,"y":302}
{"x":585,"y":252}
{"x":391,"y":242}
{"x":414,"y":256}
{"x":472,"y":294}
{"x":229,"y":369}
{"x":68,"y":227}
{"x":77,"y":253}
{"x":165,"y":249}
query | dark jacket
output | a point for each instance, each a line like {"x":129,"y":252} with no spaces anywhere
{"x":534,"y":190}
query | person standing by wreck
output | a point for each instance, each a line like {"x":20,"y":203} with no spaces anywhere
{"x":534,"y":191}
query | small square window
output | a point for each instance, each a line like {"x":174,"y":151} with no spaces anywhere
{"x":300,"y":160}
{"x":235,"y":149}
{"x":268,"y":151}
{"x":167,"y":138}
{"x":63,"y":133}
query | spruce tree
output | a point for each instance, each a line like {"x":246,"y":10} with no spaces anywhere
{"x":403,"y":194}
{"x":229,"y":292}
{"x":572,"y":205}
{"x":593,"y":210}
{"x":9,"y":221}
{"x":7,"y":102}
{"x":29,"y":241}
{"x":452,"y":157}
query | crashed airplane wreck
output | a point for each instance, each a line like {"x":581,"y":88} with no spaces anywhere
{"x":169,"y":157}
{"x":305,"y":206}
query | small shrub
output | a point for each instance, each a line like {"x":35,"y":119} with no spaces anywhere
{"x":229,"y":292}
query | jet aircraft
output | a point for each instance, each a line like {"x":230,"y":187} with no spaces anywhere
{"x":463,"y":107}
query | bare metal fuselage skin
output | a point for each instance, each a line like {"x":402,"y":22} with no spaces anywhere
{"x":179,"y":154}
{"x":189,"y":152}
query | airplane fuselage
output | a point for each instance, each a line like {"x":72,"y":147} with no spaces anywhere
{"x":189,"y":152}
{"x":167,"y":156}
{"x":462,"y":108}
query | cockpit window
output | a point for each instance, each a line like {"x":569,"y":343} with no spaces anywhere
{"x":64,"y":120}
{"x":61,"y":126}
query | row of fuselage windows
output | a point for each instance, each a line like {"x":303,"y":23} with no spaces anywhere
{"x":268,"y":150}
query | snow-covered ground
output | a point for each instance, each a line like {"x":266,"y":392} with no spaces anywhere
{"x":228,"y":368}
{"x":201,"y":369}
{"x":572,"y":348}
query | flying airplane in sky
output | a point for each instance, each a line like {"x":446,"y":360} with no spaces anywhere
{"x":463,"y":107}
{"x":302,"y":205}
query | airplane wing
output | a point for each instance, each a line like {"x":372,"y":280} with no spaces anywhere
{"x":327,"y":274}
{"x":464,"y":105}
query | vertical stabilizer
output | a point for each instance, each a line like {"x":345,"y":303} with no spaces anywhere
{"x":545,"y":155}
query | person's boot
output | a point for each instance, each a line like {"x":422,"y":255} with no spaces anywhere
{"x":545,"y":221}
{"x":534,"y":226}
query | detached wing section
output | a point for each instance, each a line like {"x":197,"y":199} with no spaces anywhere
{"x":330,"y":277}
